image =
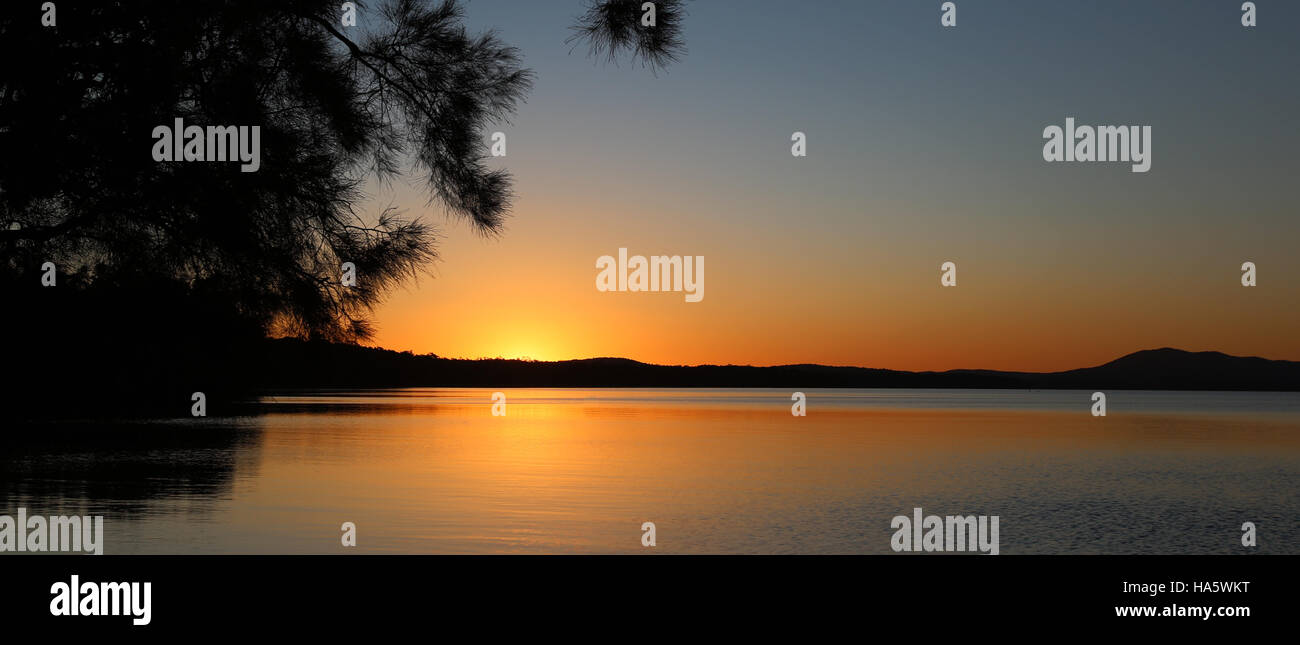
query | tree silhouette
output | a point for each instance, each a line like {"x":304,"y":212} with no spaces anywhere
{"x":335,"y":105}
{"x":170,"y":272}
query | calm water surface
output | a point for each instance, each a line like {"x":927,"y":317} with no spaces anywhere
{"x":717,"y":471}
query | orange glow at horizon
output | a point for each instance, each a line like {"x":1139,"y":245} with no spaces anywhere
{"x":832,"y":303}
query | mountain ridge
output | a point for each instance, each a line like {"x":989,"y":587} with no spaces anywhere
{"x":291,"y":363}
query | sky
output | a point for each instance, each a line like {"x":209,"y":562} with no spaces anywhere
{"x":924,"y":146}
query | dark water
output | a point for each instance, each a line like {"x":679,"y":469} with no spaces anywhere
{"x":717,"y":471}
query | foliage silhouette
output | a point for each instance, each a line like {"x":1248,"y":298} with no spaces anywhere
{"x":612,"y":27}
{"x":336,"y":105}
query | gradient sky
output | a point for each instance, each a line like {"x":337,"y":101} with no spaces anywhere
{"x":924,"y":146}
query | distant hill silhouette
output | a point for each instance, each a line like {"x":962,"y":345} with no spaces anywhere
{"x":293,"y":363}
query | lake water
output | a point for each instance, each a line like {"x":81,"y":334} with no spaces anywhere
{"x":717,"y":471}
